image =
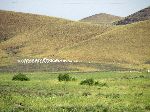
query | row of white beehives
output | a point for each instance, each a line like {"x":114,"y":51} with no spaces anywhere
{"x":45,"y":60}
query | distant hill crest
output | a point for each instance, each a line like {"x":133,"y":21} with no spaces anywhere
{"x":141,"y":15}
{"x":101,"y":18}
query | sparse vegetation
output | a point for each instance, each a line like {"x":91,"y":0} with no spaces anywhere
{"x":20,"y":77}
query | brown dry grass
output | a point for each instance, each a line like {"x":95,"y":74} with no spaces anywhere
{"x":28,"y":35}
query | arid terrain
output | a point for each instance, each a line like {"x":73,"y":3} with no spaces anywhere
{"x":25,"y":35}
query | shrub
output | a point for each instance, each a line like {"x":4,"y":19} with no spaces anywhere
{"x":147,"y":107}
{"x":86,"y":94}
{"x":96,"y":83}
{"x":20,"y":77}
{"x":64,"y":77}
{"x":141,"y":76}
{"x":73,"y":79}
{"x":91,"y":82}
{"x":138,"y":94}
{"x":87,"y":82}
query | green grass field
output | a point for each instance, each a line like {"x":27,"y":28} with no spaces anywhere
{"x":123,"y":92}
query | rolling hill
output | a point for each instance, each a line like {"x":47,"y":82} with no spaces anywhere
{"x":102,"y":18}
{"x":30,"y":36}
{"x":97,"y":47}
{"x":128,"y":44}
{"x":141,"y":15}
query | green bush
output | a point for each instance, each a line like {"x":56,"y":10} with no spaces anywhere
{"x":96,"y":83}
{"x":73,"y":79}
{"x":86,"y":94}
{"x":20,"y":77}
{"x":64,"y":77}
{"x":91,"y":82}
{"x":87,"y":82}
{"x":147,"y":107}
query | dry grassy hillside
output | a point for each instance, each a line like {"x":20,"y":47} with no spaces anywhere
{"x":27,"y":35}
{"x":102,"y":18}
{"x":33,"y":36}
{"x":128,"y":44}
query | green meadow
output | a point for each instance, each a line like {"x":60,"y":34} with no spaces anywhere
{"x":117,"y":92}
